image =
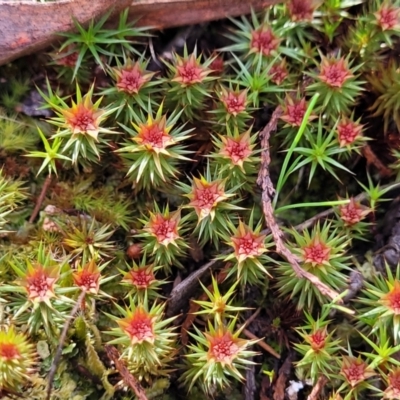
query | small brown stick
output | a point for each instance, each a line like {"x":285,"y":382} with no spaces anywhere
{"x":283,"y":376}
{"x":40,"y":199}
{"x":371,"y":158}
{"x":128,"y":378}
{"x":261,"y":343}
{"x":268,"y":191}
{"x":57,"y":357}
{"x":317,"y":388}
{"x":253,"y":317}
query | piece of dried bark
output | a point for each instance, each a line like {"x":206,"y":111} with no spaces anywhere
{"x":32,"y":26}
{"x":129,"y":379}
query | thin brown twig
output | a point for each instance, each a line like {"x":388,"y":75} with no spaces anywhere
{"x":128,"y":378}
{"x":261,"y":343}
{"x":57,"y":357}
{"x":321,"y":382}
{"x":40,"y":199}
{"x":252,"y":318}
{"x":268,"y":192}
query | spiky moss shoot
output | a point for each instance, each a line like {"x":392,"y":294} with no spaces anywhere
{"x":279,"y":72}
{"x":236,"y":159}
{"x":218,"y":307}
{"x":318,"y":348}
{"x":380,"y":300}
{"x":37,"y":298}
{"x":89,"y":240}
{"x":17,"y":360}
{"x":81,"y":125}
{"x":133,"y":86}
{"x":257,"y":38}
{"x":161,"y":235}
{"x":350,"y":220}
{"x":385,"y":83}
{"x":293,"y":111}
{"x":322,"y":252}
{"x":12,"y":194}
{"x":217,"y":356}
{"x":208,"y":206}
{"x":349,"y":133}
{"x":88,"y":277}
{"x":145,"y":339}
{"x":392,"y":390}
{"x":152,"y":159}
{"x":248,"y":256}
{"x":141,"y":281}
{"x":336,"y":84}
{"x":302,"y":10}
{"x":231,"y":109}
{"x":188,"y":83}
{"x":388,"y":17}
{"x":355,"y":373}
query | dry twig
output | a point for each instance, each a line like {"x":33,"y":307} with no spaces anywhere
{"x":261,"y":343}
{"x":57,"y":357}
{"x":128,"y":378}
{"x":317,"y":388}
{"x":40,"y":199}
{"x":268,"y":192}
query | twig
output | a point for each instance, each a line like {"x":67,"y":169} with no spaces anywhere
{"x":57,"y":357}
{"x":283,"y":375}
{"x":268,"y":191}
{"x":250,"y":385}
{"x":128,"y":378}
{"x":261,"y":343}
{"x":184,"y":289}
{"x":40,"y":199}
{"x":252,"y":318}
{"x":317,"y":388}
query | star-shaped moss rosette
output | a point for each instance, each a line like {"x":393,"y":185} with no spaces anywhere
{"x":88,"y":276}
{"x":321,"y":252}
{"x":81,"y":126}
{"x":17,"y":360}
{"x":89,"y":240}
{"x":161,"y":237}
{"x":293,"y":111}
{"x":380,"y":303}
{"x":217,"y":355}
{"x":152,"y":159}
{"x":248,"y":257}
{"x":388,"y":16}
{"x":146,"y":339}
{"x":232,"y":108}
{"x":350,"y":219}
{"x":392,"y":390}
{"x":236,"y":159}
{"x":337,"y":85}
{"x":218,"y":307}
{"x":302,"y":10}
{"x":350,"y":135}
{"x":355,"y":374}
{"x":38,"y":298}
{"x":141,"y":281}
{"x":318,"y":347}
{"x":188,"y":83}
{"x":209,"y":206}
{"x":133,"y":86}
{"x":257,"y":38}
